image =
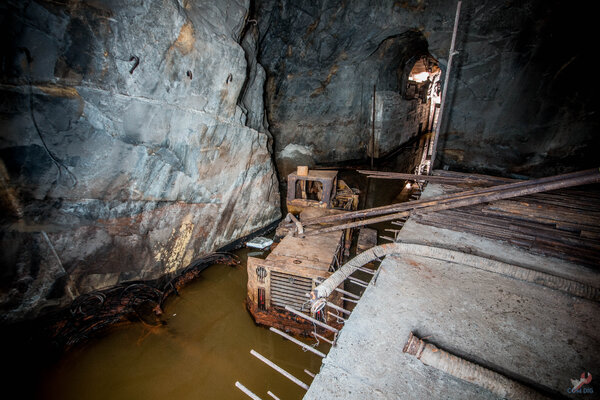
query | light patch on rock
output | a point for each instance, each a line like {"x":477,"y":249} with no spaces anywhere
{"x":173,"y":254}
{"x":293,"y":150}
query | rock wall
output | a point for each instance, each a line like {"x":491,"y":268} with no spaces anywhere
{"x":520,"y":101}
{"x":132,"y":141}
{"x":396,"y":120}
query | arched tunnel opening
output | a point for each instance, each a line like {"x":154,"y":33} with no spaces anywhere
{"x":277,"y":198}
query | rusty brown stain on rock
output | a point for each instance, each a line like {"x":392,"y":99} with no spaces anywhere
{"x":67,"y":92}
{"x":59,"y":91}
{"x":223,"y":94}
{"x":414,"y":5}
{"x":130,"y":225}
{"x":457,"y":155}
{"x":332,"y":71}
{"x":185,"y":41}
{"x":311,"y":28}
{"x":9,"y":198}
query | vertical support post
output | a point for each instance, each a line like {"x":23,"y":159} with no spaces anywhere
{"x":445,"y":89}
{"x":373,"y":128}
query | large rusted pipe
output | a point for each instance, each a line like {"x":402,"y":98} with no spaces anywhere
{"x":571,"y":287}
{"x":467,"y":371}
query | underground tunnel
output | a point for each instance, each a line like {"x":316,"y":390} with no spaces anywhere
{"x":300,"y":200}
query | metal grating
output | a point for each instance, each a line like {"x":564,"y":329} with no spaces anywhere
{"x":289,"y":290}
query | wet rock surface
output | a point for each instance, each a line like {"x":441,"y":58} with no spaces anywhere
{"x":129,"y":143}
{"x":517,"y":102}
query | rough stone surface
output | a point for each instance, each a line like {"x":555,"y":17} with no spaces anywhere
{"x":131,"y":172}
{"x":539,"y":336}
{"x":519,"y":100}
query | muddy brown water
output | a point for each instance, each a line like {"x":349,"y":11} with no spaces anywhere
{"x":199,"y":353}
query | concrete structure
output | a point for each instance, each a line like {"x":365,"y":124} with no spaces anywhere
{"x":533,"y":334}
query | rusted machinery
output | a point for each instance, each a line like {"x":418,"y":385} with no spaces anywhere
{"x":297,"y":264}
{"x":320,"y":189}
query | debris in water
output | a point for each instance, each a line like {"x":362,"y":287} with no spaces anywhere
{"x":260,"y":243}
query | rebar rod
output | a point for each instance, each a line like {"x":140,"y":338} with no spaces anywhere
{"x":350,"y":300}
{"x":338,"y":317}
{"x":311,"y":319}
{"x":279,"y":369}
{"x":309,"y":373}
{"x":366,"y":270}
{"x":299,"y":343}
{"x":338,"y":308}
{"x":358,"y":282}
{"x":323,"y":338}
{"x":247,"y":391}
{"x":272,"y":395}
{"x":342,"y":291}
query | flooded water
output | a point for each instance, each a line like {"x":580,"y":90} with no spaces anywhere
{"x":199,"y":354}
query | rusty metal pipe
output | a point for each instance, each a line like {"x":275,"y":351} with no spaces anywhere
{"x":467,"y":371}
{"x":398,"y":207}
{"x":477,"y":198}
{"x":291,"y":218}
{"x":422,"y":178}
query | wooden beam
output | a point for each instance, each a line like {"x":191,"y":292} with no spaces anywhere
{"x":468,"y":198}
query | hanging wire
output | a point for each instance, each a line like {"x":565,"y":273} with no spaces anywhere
{"x":68,"y":175}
